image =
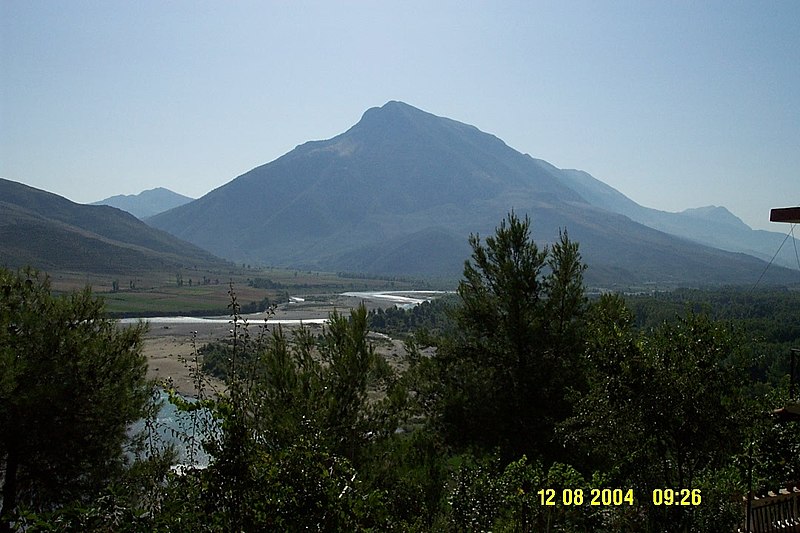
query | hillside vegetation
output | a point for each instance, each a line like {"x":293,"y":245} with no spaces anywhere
{"x":538,"y":410}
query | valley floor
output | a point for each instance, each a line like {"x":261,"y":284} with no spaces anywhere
{"x":171,"y":343}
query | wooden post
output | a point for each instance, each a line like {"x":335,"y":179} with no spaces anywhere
{"x":792,"y":376}
{"x":749,"y":488}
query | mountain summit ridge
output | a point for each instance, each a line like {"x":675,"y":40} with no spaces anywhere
{"x":401,"y":190}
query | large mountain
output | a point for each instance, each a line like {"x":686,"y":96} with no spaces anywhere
{"x":47,"y":231}
{"x":399,"y":193}
{"x":146,"y":203}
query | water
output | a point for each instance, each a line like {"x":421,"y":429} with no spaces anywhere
{"x":175,"y":428}
{"x":216,"y":320}
{"x":402,"y":299}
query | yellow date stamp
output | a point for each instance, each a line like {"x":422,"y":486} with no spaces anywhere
{"x":604,"y":497}
{"x":616,"y":497}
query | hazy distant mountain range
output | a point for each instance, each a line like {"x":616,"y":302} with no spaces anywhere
{"x":146,"y":203}
{"x":48,"y":231}
{"x":399,"y":193}
{"x":710,"y":225}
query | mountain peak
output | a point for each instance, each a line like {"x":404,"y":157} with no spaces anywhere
{"x":392,"y":114}
{"x":717,"y":214}
{"x":401,"y":191}
{"x":146,"y":203}
{"x":396,"y":106}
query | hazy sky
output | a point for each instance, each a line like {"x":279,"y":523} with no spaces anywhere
{"x":675,"y":104}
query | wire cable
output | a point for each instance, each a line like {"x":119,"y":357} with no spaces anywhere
{"x":789,"y":234}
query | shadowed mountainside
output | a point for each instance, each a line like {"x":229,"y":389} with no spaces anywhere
{"x":399,"y":193}
{"x":48,"y":231}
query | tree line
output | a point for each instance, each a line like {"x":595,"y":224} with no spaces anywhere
{"x":540,"y":410}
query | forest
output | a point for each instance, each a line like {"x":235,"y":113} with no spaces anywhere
{"x":521,"y":404}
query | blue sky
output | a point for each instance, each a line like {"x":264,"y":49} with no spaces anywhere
{"x":676,"y":104}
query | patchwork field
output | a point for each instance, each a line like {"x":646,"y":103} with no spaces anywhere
{"x":202,"y":292}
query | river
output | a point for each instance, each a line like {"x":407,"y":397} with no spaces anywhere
{"x":173,"y":427}
{"x":402,"y":299}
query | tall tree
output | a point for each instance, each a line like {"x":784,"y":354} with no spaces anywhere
{"x":506,"y":372}
{"x":70,"y":383}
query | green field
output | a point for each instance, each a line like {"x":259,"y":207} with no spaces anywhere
{"x":206,"y":291}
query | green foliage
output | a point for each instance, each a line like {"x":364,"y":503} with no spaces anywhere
{"x":216,"y":357}
{"x":667,"y":409}
{"x":320,"y":385}
{"x":264,"y":283}
{"x":108,"y":512}
{"x":507,"y":371}
{"x":766,"y":318}
{"x":299,"y":487}
{"x":529,"y":388}
{"x":721,"y":506}
{"x":476,"y":496}
{"x":263,"y":305}
{"x":485,"y":496}
{"x":295,"y":424}
{"x":71,"y":383}
{"x":411,"y":469}
{"x":429,"y":319}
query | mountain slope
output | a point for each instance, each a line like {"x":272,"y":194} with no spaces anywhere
{"x":711,"y":225}
{"x":48,"y":231}
{"x":146,"y":203}
{"x":390,"y":175}
{"x":400,"y":192}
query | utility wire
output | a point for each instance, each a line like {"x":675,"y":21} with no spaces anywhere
{"x":790,"y":234}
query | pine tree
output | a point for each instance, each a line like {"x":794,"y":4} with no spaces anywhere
{"x":505,"y":374}
{"x":71,"y":381}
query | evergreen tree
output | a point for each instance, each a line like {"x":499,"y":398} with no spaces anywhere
{"x":70,"y":383}
{"x":506,"y":372}
{"x":295,"y":422}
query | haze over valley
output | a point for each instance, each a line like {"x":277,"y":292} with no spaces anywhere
{"x":401,"y":190}
{"x":397,"y":194}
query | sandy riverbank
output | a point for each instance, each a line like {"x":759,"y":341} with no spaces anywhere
{"x":170,"y":345}
{"x":169,"y":351}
